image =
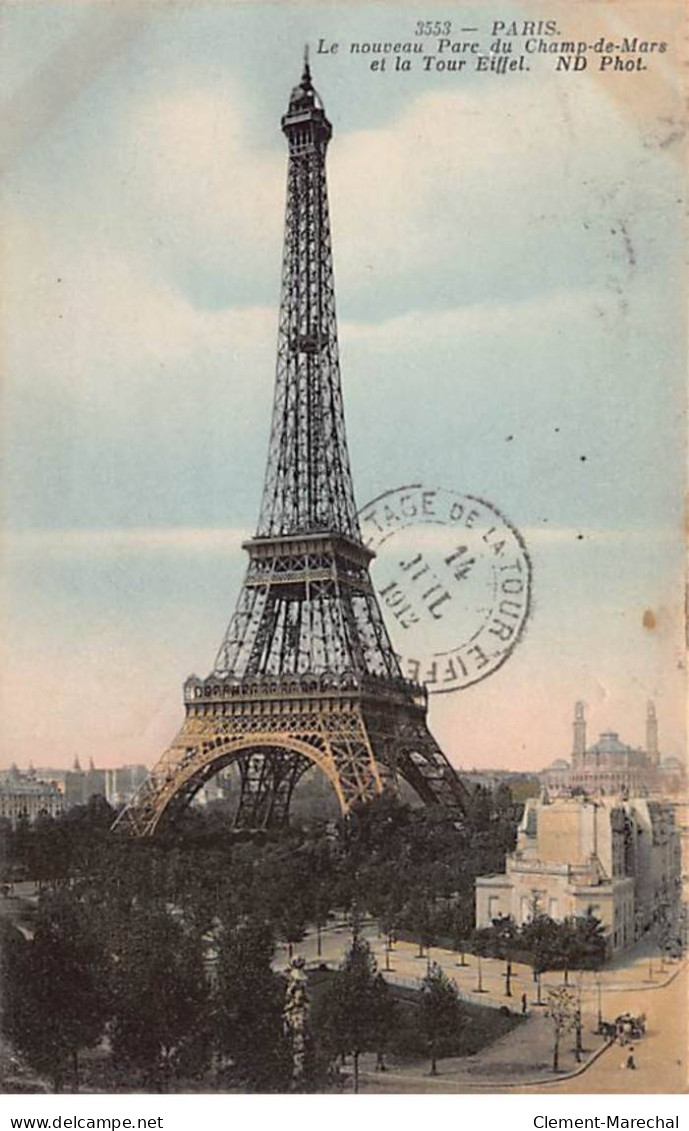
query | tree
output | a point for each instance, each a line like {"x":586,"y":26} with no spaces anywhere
{"x":506,"y":937}
{"x":481,"y":945}
{"x":541,"y":938}
{"x":441,"y":1015}
{"x":249,"y":1005}
{"x":286,"y":897}
{"x":462,"y":927}
{"x":384,"y":1016}
{"x":350,"y":1015}
{"x":578,"y":1027}
{"x":388,"y":921}
{"x":54,"y":994}
{"x":567,"y":947}
{"x":582,"y":943}
{"x":160,"y":997}
{"x":592,"y":944}
{"x":562,"y":1011}
{"x":320,"y":912}
{"x":503,"y":802}
{"x":291,"y":925}
{"x":419,"y":916}
{"x":387,"y":925}
{"x":479,"y":809}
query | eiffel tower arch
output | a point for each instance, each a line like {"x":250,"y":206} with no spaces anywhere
{"x":306,"y":674}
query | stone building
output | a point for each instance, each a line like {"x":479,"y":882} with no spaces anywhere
{"x":655,"y":857}
{"x":24,"y":797}
{"x":76,"y":785}
{"x":619,"y":858}
{"x":116,"y":784}
{"x":122,"y":782}
{"x":82,"y":785}
{"x":611,"y":767}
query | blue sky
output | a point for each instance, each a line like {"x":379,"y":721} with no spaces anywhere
{"x":507,"y":265}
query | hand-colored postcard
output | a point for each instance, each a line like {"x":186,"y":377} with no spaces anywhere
{"x":342,"y":728}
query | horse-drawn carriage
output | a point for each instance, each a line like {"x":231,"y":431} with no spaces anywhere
{"x":625,"y":1028}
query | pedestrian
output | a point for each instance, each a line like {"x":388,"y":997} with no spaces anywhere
{"x":631,"y":1063}
{"x":523,"y":1005}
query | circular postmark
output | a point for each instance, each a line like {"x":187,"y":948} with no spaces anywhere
{"x":453,"y":579}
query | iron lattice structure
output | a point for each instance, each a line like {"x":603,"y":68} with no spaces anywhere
{"x":306,"y":673}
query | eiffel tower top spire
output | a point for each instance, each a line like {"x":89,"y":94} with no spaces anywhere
{"x":308,"y":484}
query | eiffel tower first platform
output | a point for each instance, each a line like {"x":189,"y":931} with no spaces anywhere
{"x":306,"y":674}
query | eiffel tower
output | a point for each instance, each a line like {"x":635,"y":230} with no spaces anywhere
{"x":306,"y":674}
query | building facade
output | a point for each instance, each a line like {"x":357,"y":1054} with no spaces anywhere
{"x":51,"y":790}
{"x":24,"y":798}
{"x":612,"y":767}
{"x":122,"y":782}
{"x":618,"y":858}
{"x":77,"y":786}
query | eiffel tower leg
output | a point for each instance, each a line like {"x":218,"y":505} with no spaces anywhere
{"x":438,"y":776}
{"x":348,"y":744}
{"x":271,"y":756}
{"x":410,"y":751}
{"x":267,"y":781}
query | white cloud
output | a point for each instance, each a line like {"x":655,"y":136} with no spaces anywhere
{"x":442,"y":537}
{"x":439,"y":184}
{"x":88,"y":317}
{"x":187,"y":160}
{"x":529,"y":317}
{"x":178,"y":181}
{"x":77,"y":543}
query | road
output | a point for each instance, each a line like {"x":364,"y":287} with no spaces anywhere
{"x":631,"y":985}
{"x":661,"y":1057}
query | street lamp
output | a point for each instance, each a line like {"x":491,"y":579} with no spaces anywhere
{"x":650,"y":953}
{"x":577,"y":1021}
{"x":599,"y":988}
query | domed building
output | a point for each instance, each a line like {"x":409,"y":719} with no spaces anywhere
{"x":556,"y":776}
{"x":611,"y":766}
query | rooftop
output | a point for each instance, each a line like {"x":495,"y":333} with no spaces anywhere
{"x":609,"y":743}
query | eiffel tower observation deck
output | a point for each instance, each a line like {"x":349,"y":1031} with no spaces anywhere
{"x":306,"y":674}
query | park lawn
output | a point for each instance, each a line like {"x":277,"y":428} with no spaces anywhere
{"x":480,"y":1025}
